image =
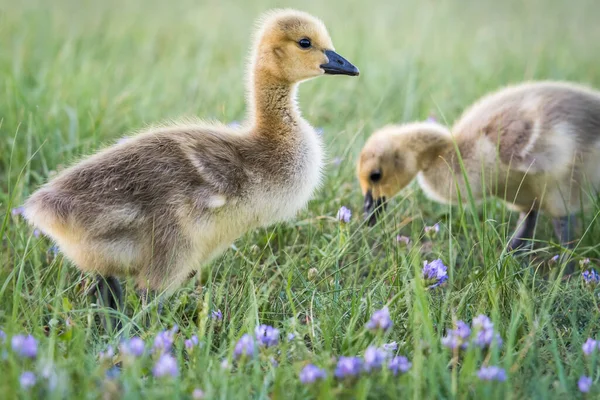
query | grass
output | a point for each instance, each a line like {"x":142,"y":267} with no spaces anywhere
{"x":75,"y":76}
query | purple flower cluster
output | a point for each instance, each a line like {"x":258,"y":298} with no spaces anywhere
{"x":216,"y":315}
{"x":348,"y":367}
{"x":380,"y":320}
{"x":435,"y":273}
{"x":191,"y":343}
{"x":403,"y":240}
{"x":166,"y":365}
{"x":27,"y":379}
{"x":584,"y":384}
{"x":133,"y":347}
{"x":344,"y":214}
{"x":590,"y":277}
{"x":374,"y":360}
{"x":399,"y":364}
{"x":108,"y":354}
{"x":432,"y":231}
{"x":492,"y":374}
{"x":590,"y":346}
{"x":24,"y":346}
{"x":311,"y":373}
{"x":163,"y":342}
{"x":481,"y":334}
{"x":267,"y":336}
{"x":244,"y":348}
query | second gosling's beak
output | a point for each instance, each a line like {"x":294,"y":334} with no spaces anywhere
{"x":338,"y":65}
{"x":373,"y":207}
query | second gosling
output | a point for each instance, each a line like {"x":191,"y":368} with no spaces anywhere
{"x":534,"y":145}
{"x":169,"y":200}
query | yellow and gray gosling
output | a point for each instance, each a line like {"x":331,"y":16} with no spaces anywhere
{"x":535,"y":145}
{"x":170,"y":199}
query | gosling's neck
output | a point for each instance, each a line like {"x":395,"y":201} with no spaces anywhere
{"x":434,"y":151}
{"x":273,"y":109}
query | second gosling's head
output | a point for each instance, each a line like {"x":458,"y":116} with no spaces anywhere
{"x":392,"y":157}
{"x":292,"y":46}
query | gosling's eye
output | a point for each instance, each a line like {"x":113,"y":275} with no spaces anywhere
{"x":304,"y":43}
{"x":375,"y":176}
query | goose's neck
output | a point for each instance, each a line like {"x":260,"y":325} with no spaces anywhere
{"x":273,"y":104}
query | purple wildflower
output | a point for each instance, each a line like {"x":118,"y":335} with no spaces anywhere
{"x":27,"y":379}
{"x":165,"y":365}
{"x":106,"y":355}
{"x":390,"y":347}
{"x":485,"y":334}
{"x":348,"y":367}
{"x":380,"y":320}
{"x":216,"y":315}
{"x":37,"y":233}
{"x":589,"y":346}
{"x":244,"y":347}
{"x":163,"y":342}
{"x":290,"y":337}
{"x":432,"y":231}
{"x":198,"y":394}
{"x":457,"y":337}
{"x":462,"y":330}
{"x":435,"y":273}
{"x":267,"y":336}
{"x":24,"y":346}
{"x":584,"y":262}
{"x":403,"y":240}
{"x":584,"y":384}
{"x":2,"y":336}
{"x":451,"y":341}
{"x":189,"y":345}
{"x":311,"y":374}
{"x":590,"y":277}
{"x":274,"y":362}
{"x":554,"y":259}
{"x":374,"y":358}
{"x":399,"y":364}
{"x":133,"y":347}
{"x":492,"y":374}
{"x":344,"y":214}
{"x":17,"y":211}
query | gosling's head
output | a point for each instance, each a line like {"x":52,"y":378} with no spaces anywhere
{"x":292,"y":46}
{"x":392,"y":158}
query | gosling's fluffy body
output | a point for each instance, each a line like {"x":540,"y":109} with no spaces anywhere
{"x":170,"y":199}
{"x":534,"y":145}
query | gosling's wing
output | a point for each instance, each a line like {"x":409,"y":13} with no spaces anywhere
{"x":151,"y":177}
{"x":542,"y":128}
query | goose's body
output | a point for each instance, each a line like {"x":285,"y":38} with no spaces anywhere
{"x":535,"y":145}
{"x":170,"y":199}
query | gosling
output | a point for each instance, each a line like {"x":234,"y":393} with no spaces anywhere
{"x":536,"y":146}
{"x":168,"y":200}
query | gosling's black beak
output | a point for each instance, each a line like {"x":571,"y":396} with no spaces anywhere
{"x":373,"y":208}
{"x":338,"y":65}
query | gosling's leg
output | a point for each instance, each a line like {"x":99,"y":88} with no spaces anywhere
{"x":564,"y":228}
{"x":525,"y":231}
{"x":110,"y":295}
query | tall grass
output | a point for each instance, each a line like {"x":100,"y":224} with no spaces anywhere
{"x":75,"y":76}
